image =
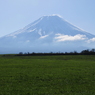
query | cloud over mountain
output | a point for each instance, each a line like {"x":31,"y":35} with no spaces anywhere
{"x":61,"y":37}
{"x":91,"y":40}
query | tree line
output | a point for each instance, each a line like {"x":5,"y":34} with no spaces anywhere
{"x":83,"y":52}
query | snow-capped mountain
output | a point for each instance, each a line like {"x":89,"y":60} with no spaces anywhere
{"x":47,"y":34}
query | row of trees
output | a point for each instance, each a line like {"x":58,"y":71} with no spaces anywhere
{"x":84,"y":52}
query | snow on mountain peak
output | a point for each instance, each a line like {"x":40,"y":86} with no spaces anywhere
{"x":53,"y":15}
{"x":51,"y":24}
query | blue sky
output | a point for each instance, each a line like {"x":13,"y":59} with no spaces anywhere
{"x":15,"y":14}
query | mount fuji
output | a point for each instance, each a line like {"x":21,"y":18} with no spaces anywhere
{"x":47,"y":34}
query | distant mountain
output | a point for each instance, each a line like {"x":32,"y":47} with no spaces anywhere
{"x":47,"y":34}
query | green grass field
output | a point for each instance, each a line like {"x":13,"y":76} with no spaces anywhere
{"x":47,"y":75}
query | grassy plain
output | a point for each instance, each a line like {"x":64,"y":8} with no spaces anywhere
{"x":47,"y":75}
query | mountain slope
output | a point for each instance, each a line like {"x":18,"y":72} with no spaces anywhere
{"x":48,"y":33}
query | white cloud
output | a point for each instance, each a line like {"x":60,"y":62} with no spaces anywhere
{"x":61,"y":37}
{"x":91,"y":40}
{"x":43,"y":36}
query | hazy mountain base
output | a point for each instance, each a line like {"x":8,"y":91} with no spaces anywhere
{"x":44,"y":48}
